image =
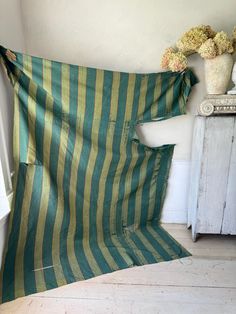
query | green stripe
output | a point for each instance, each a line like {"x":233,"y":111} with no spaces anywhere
{"x":177,"y":93}
{"x":148,"y":256}
{"x":134,"y":183}
{"x":23,"y":97}
{"x":155,"y":244}
{"x":49,"y":274}
{"x":162,"y":99}
{"x":173,"y":244}
{"x":86,"y":268}
{"x":170,"y":95}
{"x":67,"y":172}
{"x":147,"y":187}
{"x":149,"y":101}
{"x":29,"y":278}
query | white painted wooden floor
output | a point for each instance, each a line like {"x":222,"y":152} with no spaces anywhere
{"x":204,"y":283}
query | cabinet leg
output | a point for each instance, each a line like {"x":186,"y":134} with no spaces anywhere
{"x":194,"y":236}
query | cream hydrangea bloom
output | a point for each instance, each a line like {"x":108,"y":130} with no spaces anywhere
{"x":223,"y":43}
{"x":208,"y":30}
{"x":208,"y":49}
{"x":173,"y":60}
{"x":234,"y":33}
{"x":178,"y":62}
{"x":166,"y":57}
{"x":234,"y":37}
{"x":192,"y":40}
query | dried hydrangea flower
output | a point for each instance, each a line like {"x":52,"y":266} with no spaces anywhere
{"x":208,"y":49}
{"x":223,"y":43}
{"x":202,"y":39}
{"x":234,"y":33}
{"x":178,"y":62}
{"x":166,"y":57}
{"x":234,"y":38}
{"x":210,"y":33}
{"x":192,"y":40}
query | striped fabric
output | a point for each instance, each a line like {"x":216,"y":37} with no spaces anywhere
{"x":88,"y":194}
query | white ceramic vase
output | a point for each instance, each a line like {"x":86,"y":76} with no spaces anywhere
{"x":218,"y":73}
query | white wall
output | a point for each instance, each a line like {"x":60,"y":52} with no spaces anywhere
{"x":11,"y":35}
{"x":127,"y":35}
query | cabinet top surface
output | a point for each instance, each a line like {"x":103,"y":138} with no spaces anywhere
{"x":220,"y":97}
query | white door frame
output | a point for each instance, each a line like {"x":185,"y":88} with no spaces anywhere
{"x":5,"y":172}
{"x":5,"y":166}
{"x":5,"y":175}
{"x":5,"y":178}
{"x":4,"y":158}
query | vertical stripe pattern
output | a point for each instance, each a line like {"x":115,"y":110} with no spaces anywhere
{"x":87,"y":194}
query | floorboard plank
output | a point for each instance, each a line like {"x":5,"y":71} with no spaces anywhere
{"x":100,"y":298}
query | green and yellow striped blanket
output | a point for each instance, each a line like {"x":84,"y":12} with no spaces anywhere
{"x":88,"y":194}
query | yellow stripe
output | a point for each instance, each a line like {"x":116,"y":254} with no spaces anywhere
{"x":73,"y":184}
{"x":162,"y":242}
{"x":38,"y":252}
{"x":16,"y":150}
{"x":148,"y":245}
{"x":142,"y":179}
{"x":28,"y":189}
{"x":27,"y":66}
{"x":31,"y":153}
{"x":64,"y":133}
{"x":130,"y":96}
{"x":19,"y":260}
{"x":142,"y":97}
{"x":87,"y":250}
{"x":157,"y":93}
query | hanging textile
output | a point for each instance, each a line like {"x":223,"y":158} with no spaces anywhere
{"x":87,"y":194}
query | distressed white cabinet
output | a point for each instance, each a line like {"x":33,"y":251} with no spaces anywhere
{"x":212,"y":189}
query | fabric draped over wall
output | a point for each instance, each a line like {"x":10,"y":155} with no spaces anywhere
{"x":88,"y":195}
